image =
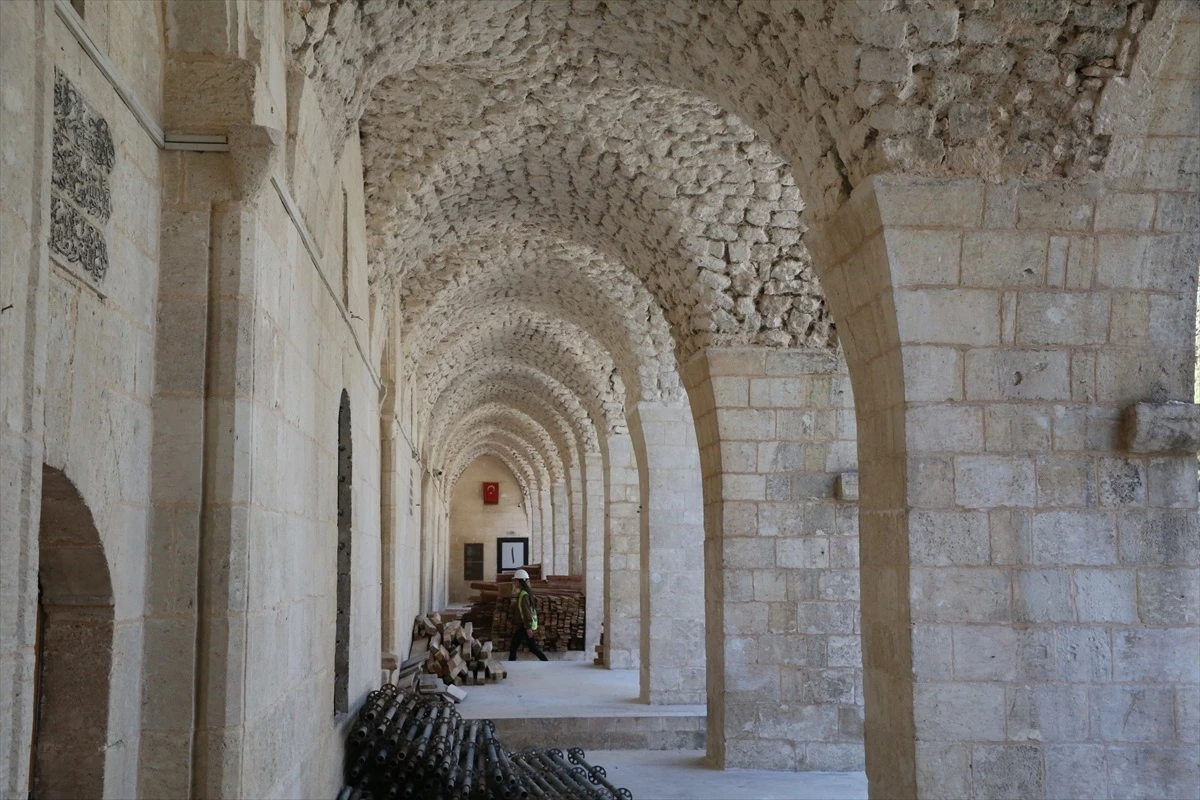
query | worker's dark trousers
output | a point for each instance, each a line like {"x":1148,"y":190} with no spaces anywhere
{"x":518,"y":636}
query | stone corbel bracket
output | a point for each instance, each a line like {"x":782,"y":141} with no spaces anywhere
{"x":845,"y":487}
{"x":1172,"y":427}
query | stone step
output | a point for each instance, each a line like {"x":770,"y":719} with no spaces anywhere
{"x":652,"y":732}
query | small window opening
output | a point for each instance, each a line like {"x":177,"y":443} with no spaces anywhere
{"x":473,"y":561}
{"x":341,"y":655}
{"x":345,"y":250}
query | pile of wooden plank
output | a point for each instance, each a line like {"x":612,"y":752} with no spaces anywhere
{"x":559,"y":602}
{"x":453,"y":653}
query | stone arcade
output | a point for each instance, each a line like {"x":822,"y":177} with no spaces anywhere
{"x":847,"y":349}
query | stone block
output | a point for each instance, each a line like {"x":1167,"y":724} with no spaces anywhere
{"x":1076,"y":770}
{"x":1159,"y":537}
{"x":1074,"y":537}
{"x":818,"y":618}
{"x":1168,"y":597}
{"x":930,"y":481}
{"x":1123,"y":211}
{"x":936,"y":203}
{"x":1011,"y":536}
{"x":818,"y":686}
{"x":1042,"y":595}
{"x":1021,"y":427}
{"x":1084,"y":655}
{"x":830,"y":757}
{"x":1004,"y":258}
{"x":1122,"y":481}
{"x":1056,"y":318}
{"x":932,"y":374}
{"x":944,"y":538}
{"x":948,"y":316}
{"x":1105,"y":595}
{"x":845,"y":487}
{"x":1162,"y":427}
{"x":1156,"y":656}
{"x":1012,"y":771}
{"x":1153,"y":770}
{"x":923,"y":257}
{"x":1047,"y":713}
{"x":944,"y":594}
{"x":986,"y":481}
{"x":957,"y":712}
{"x":932,"y":652}
{"x":1066,"y":481}
{"x":944,"y":428}
{"x":994,"y":374}
{"x":1132,"y":714}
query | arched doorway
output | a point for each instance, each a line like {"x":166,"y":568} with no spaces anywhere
{"x":74,"y":647}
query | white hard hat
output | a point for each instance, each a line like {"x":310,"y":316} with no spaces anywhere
{"x":521,"y":575}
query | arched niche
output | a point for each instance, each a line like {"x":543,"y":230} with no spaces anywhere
{"x":74,"y":647}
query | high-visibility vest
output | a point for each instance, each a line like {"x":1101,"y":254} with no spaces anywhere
{"x":533,"y":625}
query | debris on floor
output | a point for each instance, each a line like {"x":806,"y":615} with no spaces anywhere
{"x":452,"y":653}
{"x":414,"y":745}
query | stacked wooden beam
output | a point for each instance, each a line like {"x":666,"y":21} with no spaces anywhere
{"x":453,"y":653}
{"x":559,"y":602}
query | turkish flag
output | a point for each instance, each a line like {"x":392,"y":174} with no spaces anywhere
{"x":491,"y":492}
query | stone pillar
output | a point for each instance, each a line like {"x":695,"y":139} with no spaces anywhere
{"x":775,"y":431}
{"x":1030,"y":584}
{"x":562,"y":527}
{"x":534,"y":514}
{"x":546,"y":511}
{"x":672,"y":553}
{"x":593,"y":564}
{"x":575,"y":500}
{"x":622,"y":543}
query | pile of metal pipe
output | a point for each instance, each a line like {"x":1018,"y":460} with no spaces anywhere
{"x":416,"y":746}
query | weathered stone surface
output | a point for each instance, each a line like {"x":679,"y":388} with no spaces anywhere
{"x":1162,"y":428}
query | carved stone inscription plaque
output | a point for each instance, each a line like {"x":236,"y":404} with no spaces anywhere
{"x":80,"y":200}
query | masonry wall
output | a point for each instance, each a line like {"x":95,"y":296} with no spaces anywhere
{"x":78,"y":344}
{"x":473,"y":521}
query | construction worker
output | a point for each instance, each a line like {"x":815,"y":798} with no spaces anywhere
{"x":524,"y":617}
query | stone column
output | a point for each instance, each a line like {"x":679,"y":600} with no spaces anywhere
{"x":672,"y":553}
{"x":622,"y":543}
{"x":534,"y":514}
{"x":546,"y":511}
{"x":775,"y":430}
{"x":1030,"y":575}
{"x":593,"y":564}
{"x":575,"y":500}
{"x":562,"y":527}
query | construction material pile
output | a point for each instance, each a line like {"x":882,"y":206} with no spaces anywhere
{"x":483,"y":604}
{"x":453,"y":655}
{"x":417,"y":746}
{"x":559,"y":601}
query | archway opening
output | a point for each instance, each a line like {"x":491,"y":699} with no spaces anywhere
{"x":74,"y":647}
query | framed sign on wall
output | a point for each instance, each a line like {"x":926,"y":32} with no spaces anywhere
{"x":491,"y":493}
{"x":512,"y":553}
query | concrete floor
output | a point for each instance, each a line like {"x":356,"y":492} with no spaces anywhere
{"x":563,"y":689}
{"x":662,"y":775}
{"x":581,"y":690}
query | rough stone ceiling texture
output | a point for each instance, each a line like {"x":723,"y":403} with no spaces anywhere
{"x":501,"y":433}
{"x":455,"y":435}
{"x":554,"y":276}
{"x":460,"y":435}
{"x":679,"y":139}
{"x":660,"y":181}
{"x":469,"y":387}
{"x":477,"y":452}
{"x":514,"y":460}
{"x":495,"y":335}
{"x":524,"y":399}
